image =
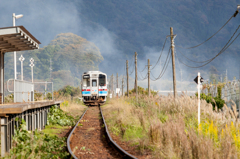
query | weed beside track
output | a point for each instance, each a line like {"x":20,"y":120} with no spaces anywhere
{"x":169,"y":128}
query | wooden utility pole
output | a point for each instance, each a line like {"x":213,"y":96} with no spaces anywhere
{"x":122,"y":85}
{"x":127,"y":79}
{"x":173,"y":62}
{"x":149,"y":78}
{"x":136,"y":85}
{"x":117,"y":85}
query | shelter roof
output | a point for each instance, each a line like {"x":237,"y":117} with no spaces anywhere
{"x":17,"y":38}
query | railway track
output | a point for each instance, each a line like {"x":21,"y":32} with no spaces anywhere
{"x":90,"y":138}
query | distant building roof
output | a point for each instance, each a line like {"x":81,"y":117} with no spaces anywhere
{"x":17,"y":38}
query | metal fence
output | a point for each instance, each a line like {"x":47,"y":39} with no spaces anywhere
{"x":44,"y":88}
{"x":25,"y":91}
{"x":230,"y":91}
{"x":22,"y":90}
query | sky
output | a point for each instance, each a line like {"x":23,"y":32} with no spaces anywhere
{"x":44,"y":19}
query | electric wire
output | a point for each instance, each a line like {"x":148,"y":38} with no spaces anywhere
{"x":143,"y":69}
{"x":160,"y":54}
{"x":142,"y":78}
{"x":164,"y":69}
{"x":131,"y":62}
{"x":214,"y":33}
{"x":132,"y":71}
{"x":165,"y":66}
{"x":211,"y":58}
{"x":223,"y":49}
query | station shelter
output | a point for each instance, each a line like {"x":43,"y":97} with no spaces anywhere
{"x":15,"y":38}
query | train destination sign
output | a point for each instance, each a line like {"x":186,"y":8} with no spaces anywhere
{"x":86,"y":76}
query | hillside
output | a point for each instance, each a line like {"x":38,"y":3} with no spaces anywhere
{"x":70,"y":54}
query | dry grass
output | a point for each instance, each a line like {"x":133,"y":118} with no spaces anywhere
{"x":74,"y":107}
{"x":170,"y":128}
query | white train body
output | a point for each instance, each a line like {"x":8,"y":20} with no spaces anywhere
{"x":94,"y":87}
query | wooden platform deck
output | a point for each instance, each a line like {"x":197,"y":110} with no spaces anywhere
{"x":17,"y":108}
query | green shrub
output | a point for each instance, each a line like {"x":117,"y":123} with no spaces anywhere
{"x":49,"y":96}
{"x":36,"y":145}
{"x":69,"y":91}
{"x":142,"y":91}
{"x":57,"y":116}
{"x":219,"y":102}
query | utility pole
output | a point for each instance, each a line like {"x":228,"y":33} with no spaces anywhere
{"x":173,"y":61}
{"x":122,"y":86}
{"x":136,"y":85}
{"x":149,"y":78}
{"x":117,"y":85}
{"x":127,"y":80}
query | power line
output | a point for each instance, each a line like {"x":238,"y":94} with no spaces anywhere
{"x":142,"y":78}
{"x":160,"y":54}
{"x":143,"y":69}
{"x":132,"y":62}
{"x":234,"y":15}
{"x":223,"y":49}
{"x":213,"y":57}
{"x":131,"y":71}
{"x":164,"y":67}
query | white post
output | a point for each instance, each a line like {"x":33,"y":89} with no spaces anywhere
{"x":31,"y":65}
{"x":13,"y":19}
{"x":32,"y":73}
{"x":21,"y":70}
{"x":14,"y":54}
{"x":199,"y":97}
{"x":21,"y":59}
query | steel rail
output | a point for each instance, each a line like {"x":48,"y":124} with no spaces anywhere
{"x":123,"y":152}
{"x":119,"y":149}
{"x":68,"y":139}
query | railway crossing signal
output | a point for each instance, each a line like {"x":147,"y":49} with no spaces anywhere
{"x":196,"y":79}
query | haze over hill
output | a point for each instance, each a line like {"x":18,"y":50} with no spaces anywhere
{"x":70,"y":54}
{"x":119,"y":28}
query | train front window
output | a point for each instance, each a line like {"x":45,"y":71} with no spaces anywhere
{"x":94,"y":83}
{"x":102,"y":80}
{"x":86,"y":82}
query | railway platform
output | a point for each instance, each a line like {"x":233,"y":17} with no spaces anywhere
{"x":33,"y":113}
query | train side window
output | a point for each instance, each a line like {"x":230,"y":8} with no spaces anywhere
{"x":94,"y":83}
{"x":102,"y":80}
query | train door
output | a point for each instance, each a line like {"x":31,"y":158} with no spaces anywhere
{"x":94,"y":87}
{"x":86,"y":85}
{"x":103,"y":86}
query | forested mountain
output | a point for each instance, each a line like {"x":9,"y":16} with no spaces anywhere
{"x":70,"y":54}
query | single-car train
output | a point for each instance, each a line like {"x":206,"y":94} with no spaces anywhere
{"x":94,"y":88}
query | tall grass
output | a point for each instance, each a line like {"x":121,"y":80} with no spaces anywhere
{"x":169,"y":128}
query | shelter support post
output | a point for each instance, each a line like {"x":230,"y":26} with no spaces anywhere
{"x":1,"y":77}
{"x":4,"y":121}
